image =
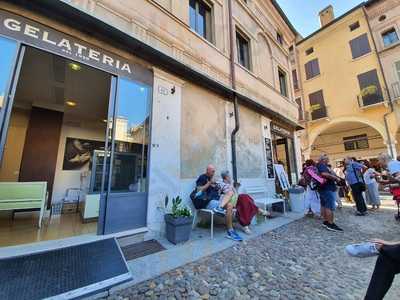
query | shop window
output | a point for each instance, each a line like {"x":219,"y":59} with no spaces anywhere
{"x":354,"y":26}
{"x":312,"y":68}
{"x":295,"y":80}
{"x":200,"y":14}
{"x":283,"y":83}
{"x":309,"y":51}
{"x":360,"y":46}
{"x":390,"y":37}
{"x":243,"y":50}
{"x":357,"y":142}
{"x":317,"y":105}
{"x":370,"y":88}
{"x":131,"y":137}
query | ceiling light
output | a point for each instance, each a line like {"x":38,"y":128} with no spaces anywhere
{"x":70,"y":103}
{"x":75,"y":66}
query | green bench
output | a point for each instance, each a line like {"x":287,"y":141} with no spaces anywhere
{"x":23,"y":196}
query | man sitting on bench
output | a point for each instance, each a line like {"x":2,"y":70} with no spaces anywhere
{"x":207,"y":184}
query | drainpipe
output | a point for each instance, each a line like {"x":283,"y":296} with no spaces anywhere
{"x":386,"y":115}
{"x":235,"y":98}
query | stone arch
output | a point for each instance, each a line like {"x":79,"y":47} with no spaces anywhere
{"x":376,"y":126}
{"x":320,"y":129}
{"x":264,"y":58}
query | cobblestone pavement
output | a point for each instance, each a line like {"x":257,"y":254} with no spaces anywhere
{"x":298,"y":261}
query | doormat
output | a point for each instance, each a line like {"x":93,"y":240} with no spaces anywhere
{"x":141,"y":249}
{"x":65,"y":273}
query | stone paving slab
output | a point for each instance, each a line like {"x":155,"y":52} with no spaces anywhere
{"x":300,"y":260}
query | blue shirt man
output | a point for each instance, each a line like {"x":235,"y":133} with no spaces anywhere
{"x":354,"y":172}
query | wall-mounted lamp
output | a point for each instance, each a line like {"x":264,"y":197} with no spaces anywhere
{"x":173,"y":90}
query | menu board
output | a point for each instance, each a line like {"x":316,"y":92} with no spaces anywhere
{"x":268,"y":155}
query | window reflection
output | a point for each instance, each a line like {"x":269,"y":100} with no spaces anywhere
{"x":131,"y":137}
{"x":8,"y":49}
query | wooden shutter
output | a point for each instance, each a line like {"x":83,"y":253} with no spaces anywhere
{"x":317,"y":104}
{"x":360,"y":46}
{"x":312,"y":68}
{"x":370,"y":87}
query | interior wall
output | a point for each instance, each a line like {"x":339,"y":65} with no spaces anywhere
{"x":72,"y":178}
{"x":11,"y":163}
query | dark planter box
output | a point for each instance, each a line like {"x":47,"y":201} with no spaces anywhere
{"x":178,"y":230}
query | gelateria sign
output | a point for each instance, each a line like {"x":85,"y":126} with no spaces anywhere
{"x":46,"y":38}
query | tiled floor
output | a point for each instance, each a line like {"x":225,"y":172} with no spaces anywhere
{"x":23,"y":229}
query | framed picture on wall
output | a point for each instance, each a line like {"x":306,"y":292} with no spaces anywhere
{"x":79,"y":152}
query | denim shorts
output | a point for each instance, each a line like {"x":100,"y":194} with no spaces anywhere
{"x":212,"y":204}
{"x":328,"y":199}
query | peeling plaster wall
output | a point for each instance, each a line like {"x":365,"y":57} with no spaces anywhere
{"x":250,"y":160}
{"x":203,"y":131}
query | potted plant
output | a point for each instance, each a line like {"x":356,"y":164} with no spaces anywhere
{"x":178,"y":222}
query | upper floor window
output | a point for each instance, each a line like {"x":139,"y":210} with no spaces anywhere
{"x":200,"y":18}
{"x":317,"y":105}
{"x":397,"y":64}
{"x":301,"y":114}
{"x":370,"y":88}
{"x":283,"y":82}
{"x":312,"y":68}
{"x":360,"y":46}
{"x":390,"y":37}
{"x":243,"y":50}
{"x":279,"y":38}
{"x":295,"y":80}
{"x":354,"y":26}
{"x":309,"y":51}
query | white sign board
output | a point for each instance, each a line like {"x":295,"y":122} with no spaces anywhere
{"x":282,"y":176}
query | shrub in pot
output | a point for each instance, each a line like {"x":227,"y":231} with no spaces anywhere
{"x":178,"y":222}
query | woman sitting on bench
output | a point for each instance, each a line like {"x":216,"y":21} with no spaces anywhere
{"x":245,"y":206}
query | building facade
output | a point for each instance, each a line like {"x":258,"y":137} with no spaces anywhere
{"x":384,"y":20}
{"x":117,"y":104}
{"x":347,"y":109}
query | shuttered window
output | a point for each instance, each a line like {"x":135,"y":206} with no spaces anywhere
{"x":370,"y":88}
{"x":312,"y":68}
{"x":360,"y":46}
{"x":295,"y":80}
{"x":398,"y":69}
{"x":317,"y":105}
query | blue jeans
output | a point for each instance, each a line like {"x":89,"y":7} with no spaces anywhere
{"x":328,"y":199}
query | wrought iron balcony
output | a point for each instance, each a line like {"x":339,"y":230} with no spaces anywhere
{"x":396,"y":91}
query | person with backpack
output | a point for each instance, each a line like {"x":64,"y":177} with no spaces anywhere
{"x":328,"y":193}
{"x":312,"y":204}
{"x":354,"y":177}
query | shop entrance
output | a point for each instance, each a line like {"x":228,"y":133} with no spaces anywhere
{"x":284,"y":154}
{"x":79,"y":134}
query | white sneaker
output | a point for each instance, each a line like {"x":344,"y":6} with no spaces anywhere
{"x":362,"y":250}
{"x":246,"y":230}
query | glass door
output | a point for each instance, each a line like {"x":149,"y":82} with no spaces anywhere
{"x":125,"y":181}
{"x":11,"y":55}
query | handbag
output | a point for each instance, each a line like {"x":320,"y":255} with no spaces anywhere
{"x":199,"y":201}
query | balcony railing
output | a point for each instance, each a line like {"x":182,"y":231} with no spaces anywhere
{"x":396,"y":91}
{"x":321,"y":113}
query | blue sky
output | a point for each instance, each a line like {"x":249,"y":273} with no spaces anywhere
{"x":303,"y":14}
